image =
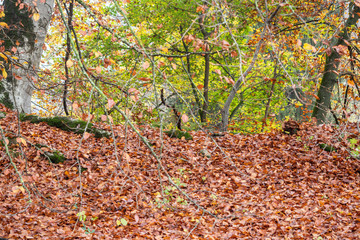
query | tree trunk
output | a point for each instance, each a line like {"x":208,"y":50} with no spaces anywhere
{"x":24,"y":39}
{"x":206,"y":34}
{"x":323,"y":103}
{"x":205,"y":106}
{"x":225,"y":110}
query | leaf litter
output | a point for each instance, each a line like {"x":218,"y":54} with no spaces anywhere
{"x":263,"y":186}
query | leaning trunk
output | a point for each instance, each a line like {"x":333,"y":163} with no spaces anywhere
{"x":323,"y":102}
{"x":23,"y":39}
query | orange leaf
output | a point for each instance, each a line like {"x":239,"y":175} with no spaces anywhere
{"x":69,"y":63}
{"x":111,"y":102}
{"x":145,"y":65}
{"x":144,"y":79}
{"x":218,"y":71}
{"x":86,"y":135}
{"x":184,"y":118}
{"x":234,"y":54}
{"x":98,"y":69}
{"x":229,"y":80}
{"x":75,"y":106}
{"x":315,"y":96}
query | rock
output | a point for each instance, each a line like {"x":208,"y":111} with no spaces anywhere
{"x":205,"y":153}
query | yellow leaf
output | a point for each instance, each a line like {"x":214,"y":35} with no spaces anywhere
{"x":97,"y":54}
{"x":309,"y":47}
{"x":4,"y":25}
{"x":4,"y":73}
{"x":36,"y":16}
{"x":3,"y":56}
{"x":18,"y":189}
{"x":21,"y":140}
{"x":298,"y":104}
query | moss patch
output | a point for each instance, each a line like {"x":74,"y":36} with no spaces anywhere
{"x":67,"y":124}
{"x":327,"y":147}
{"x":55,"y":156}
{"x":2,"y":115}
{"x":179,"y":134}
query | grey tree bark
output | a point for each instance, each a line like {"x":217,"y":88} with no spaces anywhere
{"x":27,"y":21}
{"x":329,"y":79}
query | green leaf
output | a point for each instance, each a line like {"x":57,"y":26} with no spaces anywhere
{"x":123,"y":222}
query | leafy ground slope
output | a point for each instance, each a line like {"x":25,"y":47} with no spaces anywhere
{"x":265,"y":186}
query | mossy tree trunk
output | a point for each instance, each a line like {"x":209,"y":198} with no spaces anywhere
{"x":24,"y":39}
{"x":330,"y":77}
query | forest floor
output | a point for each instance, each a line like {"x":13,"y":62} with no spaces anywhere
{"x":263,"y":186}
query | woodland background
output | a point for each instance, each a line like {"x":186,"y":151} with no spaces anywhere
{"x":264,"y":95}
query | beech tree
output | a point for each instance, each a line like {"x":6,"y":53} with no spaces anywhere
{"x":24,"y":27}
